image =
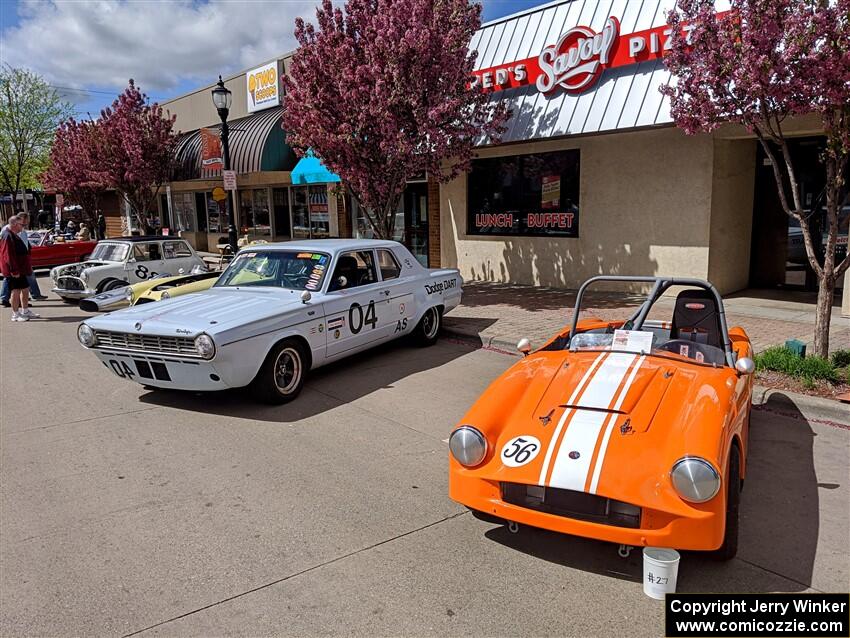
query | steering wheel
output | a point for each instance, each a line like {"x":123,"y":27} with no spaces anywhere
{"x":295,"y":281}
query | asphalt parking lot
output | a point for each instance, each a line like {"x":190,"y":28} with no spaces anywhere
{"x":128,"y":512}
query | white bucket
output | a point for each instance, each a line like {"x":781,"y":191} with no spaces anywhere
{"x":660,"y":569}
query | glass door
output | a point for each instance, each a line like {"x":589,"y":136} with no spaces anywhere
{"x":280,"y":201}
{"x":415,"y":235}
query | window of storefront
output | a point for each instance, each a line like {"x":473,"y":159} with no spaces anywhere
{"x":183,"y":205}
{"x":255,"y":217}
{"x":310,"y":213}
{"x":531,"y":195}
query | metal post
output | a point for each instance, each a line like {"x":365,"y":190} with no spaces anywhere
{"x":231,"y":217}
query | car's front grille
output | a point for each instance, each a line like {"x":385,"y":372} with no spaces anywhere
{"x":183,"y":346}
{"x":70,"y":283}
{"x":572,"y":504}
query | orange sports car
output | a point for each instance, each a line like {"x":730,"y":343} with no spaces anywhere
{"x":632,"y":432}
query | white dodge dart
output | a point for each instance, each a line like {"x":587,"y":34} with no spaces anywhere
{"x":278,"y":311}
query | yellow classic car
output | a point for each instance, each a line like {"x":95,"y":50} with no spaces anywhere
{"x":167,"y":287}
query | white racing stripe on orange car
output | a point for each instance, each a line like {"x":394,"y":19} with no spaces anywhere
{"x":574,"y":456}
{"x":553,"y":442}
{"x":612,"y":419}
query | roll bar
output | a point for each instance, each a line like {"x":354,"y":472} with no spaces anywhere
{"x":659,"y":287}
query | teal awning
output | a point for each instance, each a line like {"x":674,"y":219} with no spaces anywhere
{"x":310,"y":170}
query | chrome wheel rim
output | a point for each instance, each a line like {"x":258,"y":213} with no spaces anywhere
{"x":287,"y":370}
{"x":430,"y":323}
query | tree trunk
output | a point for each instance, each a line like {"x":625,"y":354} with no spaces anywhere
{"x":823,"y":314}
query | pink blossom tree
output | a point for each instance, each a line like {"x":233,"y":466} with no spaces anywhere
{"x":74,"y":165}
{"x":137,"y":146}
{"x":758,"y":65}
{"x":381,"y":92}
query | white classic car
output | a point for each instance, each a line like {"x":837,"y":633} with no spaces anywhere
{"x":115,"y":263}
{"x":278,"y":311}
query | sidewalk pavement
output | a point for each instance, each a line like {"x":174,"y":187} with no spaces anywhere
{"x":499,"y":315}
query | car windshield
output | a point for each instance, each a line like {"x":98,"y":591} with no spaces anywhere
{"x":276,"y":268}
{"x":653,"y":339}
{"x":35,"y":239}
{"x":106,"y":251}
{"x":688,"y":324}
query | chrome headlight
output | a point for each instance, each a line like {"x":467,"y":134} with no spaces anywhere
{"x":695,"y":479}
{"x":205,"y":346}
{"x":86,"y":335}
{"x":468,"y":446}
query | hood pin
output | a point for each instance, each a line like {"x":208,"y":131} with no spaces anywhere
{"x":544,"y":420}
{"x":626,"y":428}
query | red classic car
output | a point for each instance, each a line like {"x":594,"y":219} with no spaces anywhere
{"x":46,"y":252}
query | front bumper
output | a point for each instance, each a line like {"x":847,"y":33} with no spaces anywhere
{"x":162,"y":371}
{"x":698,"y":529}
{"x":72,"y":288}
{"x":73,"y":294}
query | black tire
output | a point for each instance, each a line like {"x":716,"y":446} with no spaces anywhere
{"x":729,"y":548}
{"x":285,"y":364}
{"x":112,"y":285}
{"x":428,"y":329}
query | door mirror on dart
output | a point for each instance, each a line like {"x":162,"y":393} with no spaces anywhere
{"x":524,"y":346}
{"x":306,"y":296}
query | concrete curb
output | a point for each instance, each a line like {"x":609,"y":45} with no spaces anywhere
{"x":477,"y":339}
{"x":810,"y":407}
{"x":818,"y":408}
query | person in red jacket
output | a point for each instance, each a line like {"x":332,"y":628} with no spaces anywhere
{"x":15,"y":265}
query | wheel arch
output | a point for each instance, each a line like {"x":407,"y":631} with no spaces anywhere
{"x":426,"y":307}
{"x":742,"y":465}
{"x":305,"y":346}
{"x":103,"y":283}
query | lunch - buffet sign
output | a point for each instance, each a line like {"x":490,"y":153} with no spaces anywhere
{"x":533,"y":195}
{"x":575,"y":62}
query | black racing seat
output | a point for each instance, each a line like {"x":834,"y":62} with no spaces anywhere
{"x":696,"y":318}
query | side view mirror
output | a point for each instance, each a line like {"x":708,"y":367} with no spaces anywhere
{"x":306,"y":296}
{"x":341,"y":281}
{"x":181,"y":271}
{"x":524,"y":346}
{"x":745,"y":365}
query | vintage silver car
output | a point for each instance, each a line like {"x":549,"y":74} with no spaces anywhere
{"x":278,"y":311}
{"x":116,"y":263}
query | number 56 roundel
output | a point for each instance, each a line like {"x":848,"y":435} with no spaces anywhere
{"x":520,"y":450}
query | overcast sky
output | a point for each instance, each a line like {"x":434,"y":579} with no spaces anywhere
{"x":91,"y":49}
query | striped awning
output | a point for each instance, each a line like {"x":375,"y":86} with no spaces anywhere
{"x":257,"y":143}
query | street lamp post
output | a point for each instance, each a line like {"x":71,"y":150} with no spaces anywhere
{"x":222,"y":97}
